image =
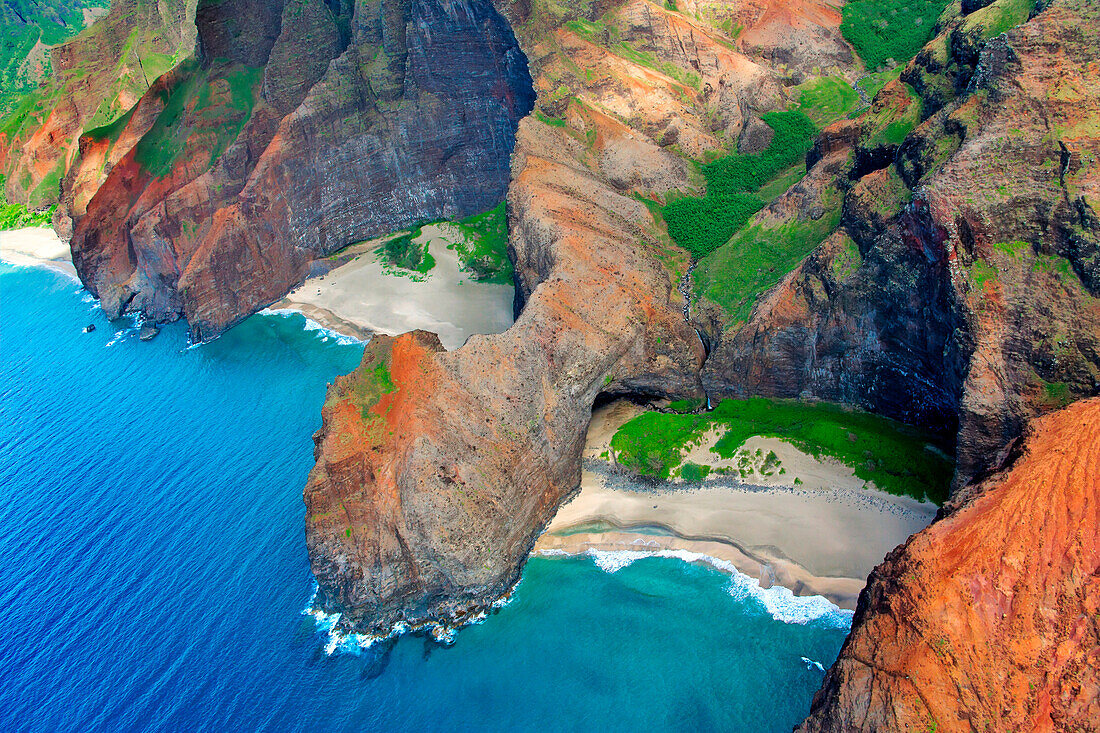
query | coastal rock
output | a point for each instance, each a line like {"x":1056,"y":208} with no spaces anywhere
{"x":989,"y":619}
{"x":264,"y":157}
{"x":429,"y":492}
{"x":426,"y":499}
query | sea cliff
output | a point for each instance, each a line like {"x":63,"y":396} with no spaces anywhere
{"x":988,"y":619}
{"x":932,"y":290}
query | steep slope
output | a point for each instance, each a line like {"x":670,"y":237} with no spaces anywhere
{"x":960,"y":287}
{"x":264,"y":158}
{"x":435,"y":471}
{"x":96,"y":77}
{"x":989,"y":619}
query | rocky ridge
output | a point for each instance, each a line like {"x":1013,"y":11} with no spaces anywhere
{"x":469,"y":453}
{"x":979,"y":622}
{"x":960,"y":287}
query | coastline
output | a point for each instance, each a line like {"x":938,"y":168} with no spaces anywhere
{"x":36,"y":247}
{"x":359,"y":296}
{"x":819,"y":538}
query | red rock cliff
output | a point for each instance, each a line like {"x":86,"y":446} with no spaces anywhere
{"x":990,"y":618}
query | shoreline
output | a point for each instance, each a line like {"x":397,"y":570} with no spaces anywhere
{"x":822,"y":537}
{"x":359,"y":296}
{"x":36,"y":247}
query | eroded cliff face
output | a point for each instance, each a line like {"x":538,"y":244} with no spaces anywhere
{"x":429,"y":493}
{"x":961,"y":285}
{"x":989,"y":619}
{"x":291,"y":135}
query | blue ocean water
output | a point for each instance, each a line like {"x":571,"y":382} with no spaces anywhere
{"x":153,"y":572}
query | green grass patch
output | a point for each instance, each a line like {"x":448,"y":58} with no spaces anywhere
{"x":894,"y":457}
{"x":484,"y":248}
{"x":703,"y":224}
{"x":872,"y":83}
{"x":759,"y":256}
{"x":216,"y":102}
{"x":405,"y":252}
{"x":552,"y":121}
{"x":885,"y":30}
{"x":826,"y":99}
{"x":998,"y":17}
{"x":14,"y":216}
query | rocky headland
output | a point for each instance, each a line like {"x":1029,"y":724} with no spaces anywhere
{"x":949,"y":281}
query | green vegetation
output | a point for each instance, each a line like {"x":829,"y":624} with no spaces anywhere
{"x":998,"y":17}
{"x":893,"y":123}
{"x":24,"y":24}
{"x":895,"y":457}
{"x":369,"y":386}
{"x":14,"y":216}
{"x":872,"y":83}
{"x":552,"y":121}
{"x":826,"y":99}
{"x":703,"y":224}
{"x":216,"y":102}
{"x":684,"y":406}
{"x":606,"y":34}
{"x":982,"y":272}
{"x":405,"y":252}
{"x":760,"y":255}
{"x":694,"y":473}
{"x":484,"y":248}
{"x":882,"y":31}
{"x":846,"y":261}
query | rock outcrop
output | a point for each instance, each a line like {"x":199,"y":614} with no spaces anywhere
{"x":266,"y":156}
{"x":961,"y":285}
{"x":989,"y":619}
{"x":938,"y":293}
{"x":429,"y":493}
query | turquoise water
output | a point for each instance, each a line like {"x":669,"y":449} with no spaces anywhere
{"x":153,"y":573}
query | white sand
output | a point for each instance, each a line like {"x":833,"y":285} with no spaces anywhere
{"x":360,"y":297}
{"x":36,"y":246}
{"x":822,"y":537}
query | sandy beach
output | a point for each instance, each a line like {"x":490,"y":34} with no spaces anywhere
{"x":361,"y":297}
{"x":36,"y":246}
{"x":821,"y":537}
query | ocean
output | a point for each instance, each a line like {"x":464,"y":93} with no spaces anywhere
{"x":153,"y":571}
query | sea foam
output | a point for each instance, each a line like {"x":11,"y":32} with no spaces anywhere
{"x":778,"y":601}
{"x":312,"y":325}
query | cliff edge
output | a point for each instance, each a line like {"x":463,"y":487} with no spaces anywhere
{"x":989,"y":619}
